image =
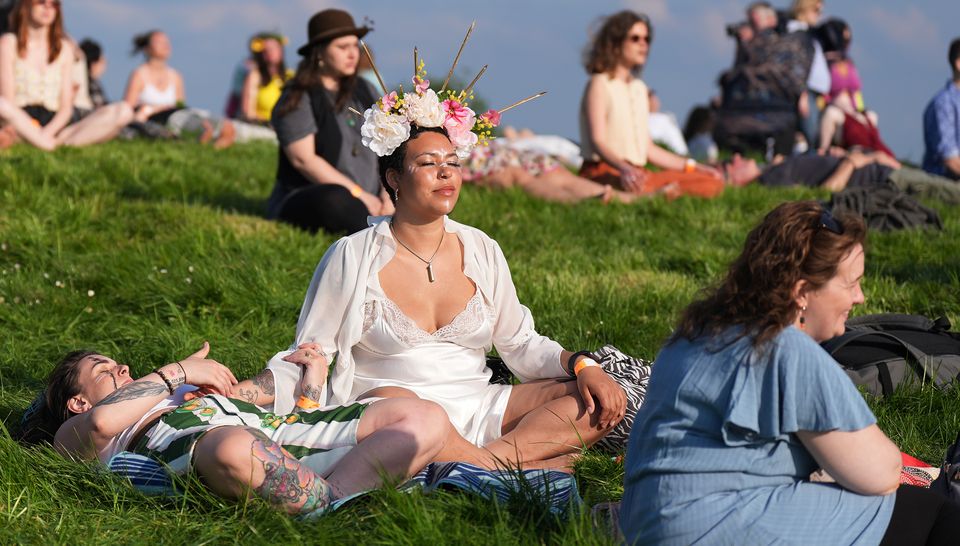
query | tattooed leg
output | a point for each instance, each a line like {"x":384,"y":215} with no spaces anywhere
{"x":233,"y":461}
{"x":286,"y":483}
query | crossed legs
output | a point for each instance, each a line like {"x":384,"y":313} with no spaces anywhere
{"x":101,"y":125}
{"x":545,"y":423}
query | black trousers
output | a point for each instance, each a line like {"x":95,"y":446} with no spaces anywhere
{"x":922,"y":516}
{"x":329,"y":207}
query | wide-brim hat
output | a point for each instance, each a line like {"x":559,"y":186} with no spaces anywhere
{"x":329,"y":24}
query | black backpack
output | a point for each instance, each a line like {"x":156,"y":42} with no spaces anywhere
{"x":882,"y":352}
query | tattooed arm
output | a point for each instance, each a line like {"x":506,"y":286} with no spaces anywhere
{"x":98,"y":421}
{"x":258,"y":390}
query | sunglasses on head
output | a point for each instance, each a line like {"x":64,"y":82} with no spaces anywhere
{"x":829,"y":223}
{"x":51,"y":3}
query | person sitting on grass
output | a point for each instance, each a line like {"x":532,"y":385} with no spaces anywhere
{"x":264,"y":83}
{"x":299,"y":462}
{"x":614,"y":133}
{"x":842,"y":169}
{"x":326,"y":179}
{"x":36,"y":84}
{"x":743,"y":406}
{"x":410,"y":312}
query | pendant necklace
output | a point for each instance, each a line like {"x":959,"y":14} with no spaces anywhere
{"x":429,"y":262}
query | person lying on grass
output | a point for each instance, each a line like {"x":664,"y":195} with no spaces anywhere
{"x":299,"y":462}
{"x":743,"y":405}
{"x":840,"y":169}
{"x":410,"y":312}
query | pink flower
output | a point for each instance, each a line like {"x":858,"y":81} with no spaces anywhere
{"x":458,"y":123}
{"x":387,"y":102}
{"x":492,"y":117}
{"x":421,"y":85}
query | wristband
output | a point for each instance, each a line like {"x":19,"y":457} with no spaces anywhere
{"x":165,"y":380}
{"x":356,"y":190}
{"x":307,"y":404}
{"x":572,"y":361}
{"x":689,"y":165}
{"x":585,"y":362}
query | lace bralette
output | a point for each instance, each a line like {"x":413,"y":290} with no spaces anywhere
{"x":466,"y":322}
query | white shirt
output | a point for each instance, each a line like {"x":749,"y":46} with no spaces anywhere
{"x":333,"y":310}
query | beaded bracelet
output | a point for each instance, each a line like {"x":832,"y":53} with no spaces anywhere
{"x":165,"y":380}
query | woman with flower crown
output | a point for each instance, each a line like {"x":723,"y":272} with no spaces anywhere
{"x":326,"y":179}
{"x":263,"y":83}
{"x":411,"y":305}
{"x":614,"y":137}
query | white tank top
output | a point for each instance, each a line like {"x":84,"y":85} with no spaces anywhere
{"x":152,"y":96}
{"x":121,"y":441}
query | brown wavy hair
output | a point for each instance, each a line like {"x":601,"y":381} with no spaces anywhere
{"x":18,"y":26}
{"x":602,"y":54}
{"x":795,"y":241}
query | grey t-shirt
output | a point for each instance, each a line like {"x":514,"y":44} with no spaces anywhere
{"x":355,"y":160}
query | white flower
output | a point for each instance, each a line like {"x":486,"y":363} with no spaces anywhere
{"x":424,"y":110}
{"x":464,"y":143}
{"x":382,"y":132}
{"x":91,"y":293}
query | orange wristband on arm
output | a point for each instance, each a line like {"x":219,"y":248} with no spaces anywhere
{"x":585,"y":362}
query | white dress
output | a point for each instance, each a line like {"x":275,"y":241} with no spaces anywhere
{"x":347,"y":314}
{"x":447,"y":367}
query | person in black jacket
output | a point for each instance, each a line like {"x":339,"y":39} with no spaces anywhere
{"x":326,"y":179}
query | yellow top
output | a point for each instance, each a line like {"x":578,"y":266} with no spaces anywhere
{"x":269,"y":94}
{"x":627,"y":113}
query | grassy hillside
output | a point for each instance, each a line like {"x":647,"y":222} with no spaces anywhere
{"x":144,"y":250}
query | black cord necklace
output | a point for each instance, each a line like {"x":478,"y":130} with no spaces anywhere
{"x":429,"y":262}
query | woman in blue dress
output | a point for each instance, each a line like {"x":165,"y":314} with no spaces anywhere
{"x":743,"y":405}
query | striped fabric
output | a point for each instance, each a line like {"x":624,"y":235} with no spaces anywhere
{"x":557,"y":489}
{"x":145,"y":474}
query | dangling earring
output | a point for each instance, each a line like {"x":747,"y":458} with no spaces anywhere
{"x":396,"y":194}
{"x":320,"y":63}
{"x":803,"y":319}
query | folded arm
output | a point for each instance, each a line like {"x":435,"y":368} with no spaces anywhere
{"x":864,"y":461}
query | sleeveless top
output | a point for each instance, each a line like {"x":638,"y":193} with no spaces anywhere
{"x":151,"y":95}
{"x":268,"y":95}
{"x":32,"y":87}
{"x":121,"y":441}
{"x":447,"y":366}
{"x":627,"y":113}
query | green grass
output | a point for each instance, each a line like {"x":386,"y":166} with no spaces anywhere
{"x":144,"y":250}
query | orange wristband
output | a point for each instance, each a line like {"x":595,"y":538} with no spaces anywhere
{"x":307,"y":404}
{"x":689,"y":165}
{"x":585,"y":362}
{"x":356,"y":190}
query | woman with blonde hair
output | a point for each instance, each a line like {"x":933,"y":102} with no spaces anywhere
{"x":36,"y":83}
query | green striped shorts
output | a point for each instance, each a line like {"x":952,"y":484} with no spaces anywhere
{"x":318,"y":438}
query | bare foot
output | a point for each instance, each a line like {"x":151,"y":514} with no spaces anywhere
{"x":8,"y":137}
{"x":207,"y":134}
{"x":228,"y":135}
{"x":671,"y":191}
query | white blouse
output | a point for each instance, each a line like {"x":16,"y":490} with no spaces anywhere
{"x":333,"y":310}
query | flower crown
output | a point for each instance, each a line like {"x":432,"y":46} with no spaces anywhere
{"x":257,"y":42}
{"x":386,"y":125}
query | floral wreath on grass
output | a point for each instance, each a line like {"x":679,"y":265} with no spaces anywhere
{"x":386,"y":124}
